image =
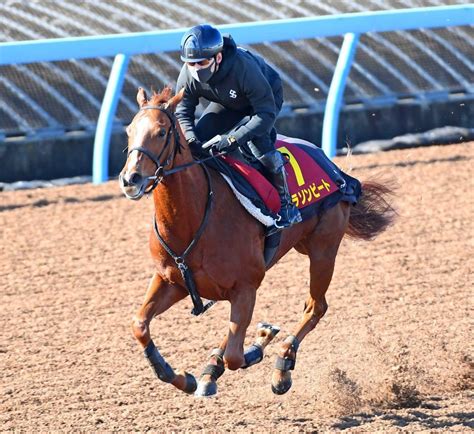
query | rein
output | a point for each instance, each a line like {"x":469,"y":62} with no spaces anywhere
{"x":160,"y":173}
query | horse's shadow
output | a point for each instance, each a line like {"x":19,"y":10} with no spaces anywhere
{"x":429,"y":421}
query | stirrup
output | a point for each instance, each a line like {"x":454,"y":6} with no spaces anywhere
{"x":280,"y":223}
{"x":292,"y":215}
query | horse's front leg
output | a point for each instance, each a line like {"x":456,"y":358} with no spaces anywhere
{"x":241,"y":311}
{"x":265,"y":334}
{"x":207,"y":385}
{"x":160,"y":297}
{"x":230,"y":353}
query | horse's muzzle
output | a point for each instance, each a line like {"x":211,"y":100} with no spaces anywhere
{"x":133,"y":186}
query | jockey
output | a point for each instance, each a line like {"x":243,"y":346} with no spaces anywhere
{"x":245,"y":96}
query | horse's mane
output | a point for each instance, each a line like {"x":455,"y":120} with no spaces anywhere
{"x":161,"y":97}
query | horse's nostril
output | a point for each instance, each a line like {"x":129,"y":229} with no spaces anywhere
{"x":135,"y":178}
{"x":123,"y":180}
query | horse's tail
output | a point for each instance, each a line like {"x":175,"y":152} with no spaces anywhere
{"x":373,"y":213}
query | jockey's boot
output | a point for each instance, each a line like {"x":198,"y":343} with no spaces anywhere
{"x":274,"y":163}
{"x":289,"y":214}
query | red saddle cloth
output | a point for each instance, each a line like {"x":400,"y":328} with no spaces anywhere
{"x":307,"y":181}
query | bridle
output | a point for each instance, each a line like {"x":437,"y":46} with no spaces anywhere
{"x":160,"y":168}
{"x":161,"y":172}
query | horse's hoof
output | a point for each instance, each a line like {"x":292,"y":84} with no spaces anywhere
{"x":282,"y":387}
{"x":191,"y":383}
{"x":185,"y":381}
{"x":281,"y":382}
{"x":206,"y":389}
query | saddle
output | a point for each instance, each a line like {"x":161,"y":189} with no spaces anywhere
{"x":315,"y":182}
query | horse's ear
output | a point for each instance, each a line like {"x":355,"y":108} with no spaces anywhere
{"x":173,"y":102}
{"x":141,"y":97}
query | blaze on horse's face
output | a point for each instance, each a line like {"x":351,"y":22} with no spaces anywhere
{"x":149,"y":130}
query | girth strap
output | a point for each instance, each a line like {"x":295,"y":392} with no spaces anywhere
{"x":199,"y":308}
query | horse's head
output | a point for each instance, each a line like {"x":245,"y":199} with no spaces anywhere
{"x":153,"y":141}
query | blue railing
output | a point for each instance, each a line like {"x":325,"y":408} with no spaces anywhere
{"x":123,"y":46}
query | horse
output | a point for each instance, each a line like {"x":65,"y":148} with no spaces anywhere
{"x":197,"y":213}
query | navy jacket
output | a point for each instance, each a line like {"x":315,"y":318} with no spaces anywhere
{"x":244,"y":82}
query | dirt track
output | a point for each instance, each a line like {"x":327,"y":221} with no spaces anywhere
{"x":394,"y":351}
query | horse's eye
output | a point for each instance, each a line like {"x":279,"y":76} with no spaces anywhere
{"x":162,"y":132}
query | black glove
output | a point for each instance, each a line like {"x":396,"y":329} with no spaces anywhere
{"x":227,"y":143}
{"x":195,"y":145}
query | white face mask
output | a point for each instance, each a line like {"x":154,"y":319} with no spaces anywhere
{"x":202,"y":73}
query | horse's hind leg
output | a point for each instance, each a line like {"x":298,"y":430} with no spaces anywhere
{"x":160,"y":297}
{"x":321,"y":247}
{"x":207,"y":385}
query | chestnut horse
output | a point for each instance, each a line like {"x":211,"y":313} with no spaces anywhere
{"x":196,"y":212}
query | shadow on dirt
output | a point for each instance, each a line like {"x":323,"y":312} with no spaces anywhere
{"x":45,"y":202}
{"x":415,"y":162}
{"x":422,"y":418}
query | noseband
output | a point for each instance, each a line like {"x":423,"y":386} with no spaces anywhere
{"x":160,"y":168}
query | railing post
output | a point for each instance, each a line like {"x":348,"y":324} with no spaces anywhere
{"x":336,"y":92}
{"x":100,"y":167}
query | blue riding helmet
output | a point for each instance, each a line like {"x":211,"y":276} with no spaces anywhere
{"x":201,"y":42}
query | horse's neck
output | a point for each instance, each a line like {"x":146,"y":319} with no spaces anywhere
{"x":180,"y":199}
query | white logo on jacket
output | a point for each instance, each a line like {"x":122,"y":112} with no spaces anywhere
{"x":232,"y":93}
